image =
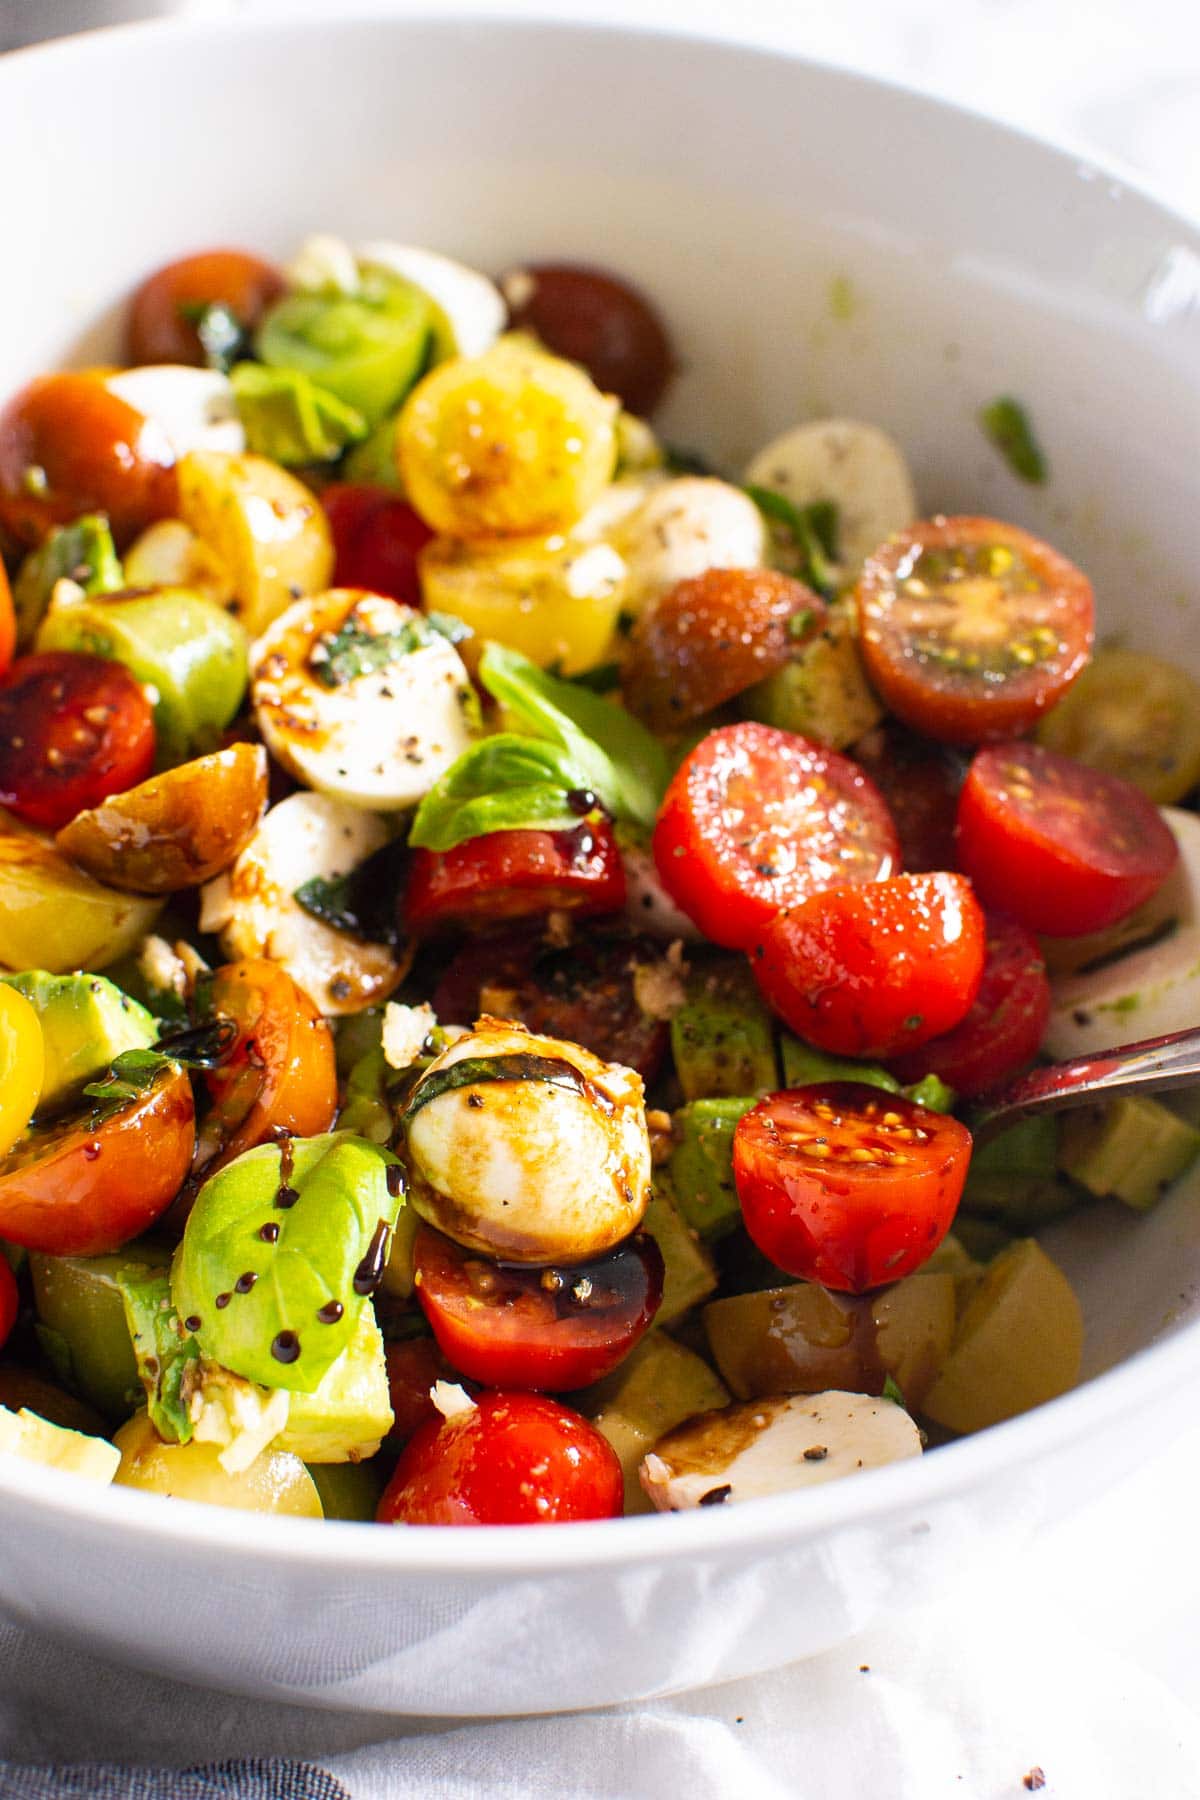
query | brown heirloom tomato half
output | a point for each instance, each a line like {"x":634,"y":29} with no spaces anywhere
{"x":593,"y":318}
{"x":164,"y":311}
{"x":970,"y":629}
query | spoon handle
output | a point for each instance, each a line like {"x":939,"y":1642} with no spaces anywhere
{"x":1162,"y":1062}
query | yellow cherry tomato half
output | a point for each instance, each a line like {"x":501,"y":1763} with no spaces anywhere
{"x":22,"y":1065}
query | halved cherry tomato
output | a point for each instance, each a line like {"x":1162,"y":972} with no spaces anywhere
{"x":69,"y":446}
{"x":413,"y":1365}
{"x":163,"y":313}
{"x":583,"y":991}
{"x":971,"y":629}
{"x":920,"y":782}
{"x":1062,"y":848}
{"x":279,"y":1074}
{"x":8,"y":622}
{"x":73,"y":730}
{"x":510,"y":1459}
{"x":847,"y":1186}
{"x":757,"y":819}
{"x":870,"y":971}
{"x":10,"y":1300}
{"x":86,"y":1184}
{"x":592,"y":318}
{"x":1003,"y":1031}
{"x":711,"y":637}
{"x":537,"y":1328}
{"x":516,"y":875}
{"x":376,"y":538}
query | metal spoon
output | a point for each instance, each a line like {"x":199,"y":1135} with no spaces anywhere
{"x":1161,"y":1062}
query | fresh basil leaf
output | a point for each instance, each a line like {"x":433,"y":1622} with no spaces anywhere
{"x":223,"y":337}
{"x":812,"y":530}
{"x":455,"y":631}
{"x":1006,"y":425}
{"x":503,"y":783}
{"x":166,"y":1353}
{"x":364,"y":900}
{"x":131,"y":1074}
{"x":615,"y":756}
{"x":289,"y":418}
{"x":892,"y":1391}
{"x":351,"y":651}
{"x":477,"y":1071}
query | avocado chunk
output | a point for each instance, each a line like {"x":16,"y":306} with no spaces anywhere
{"x":82,"y":552}
{"x":701,"y":1165}
{"x":658,"y":1386}
{"x":25,"y":1434}
{"x":86,"y":1024}
{"x":688,"y":1271}
{"x":349,"y":1413}
{"x":79,"y":1298}
{"x":1131,"y":1149}
{"x":1014,"y":1180}
{"x":722,"y":1037}
{"x":822,"y":693}
{"x":347,"y":1490}
{"x":805,"y":1067}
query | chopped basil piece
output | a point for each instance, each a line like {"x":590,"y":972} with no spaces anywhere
{"x":351,"y":651}
{"x":223,"y":338}
{"x":166,"y":1353}
{"x":891,"y":1391}
{"x":132,"y":1074}
{"x":813,"y":531}
{"x":1006,"y":425}
{"x":362,"y":902}
{"x":474,"y":1071}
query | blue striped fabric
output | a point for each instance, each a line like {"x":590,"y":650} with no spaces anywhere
{"x":244,"y":1778}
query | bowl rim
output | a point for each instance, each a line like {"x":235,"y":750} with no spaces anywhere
{"x":784,"y":1521}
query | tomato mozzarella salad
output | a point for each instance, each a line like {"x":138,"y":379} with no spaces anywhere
{"x":502,"y":924}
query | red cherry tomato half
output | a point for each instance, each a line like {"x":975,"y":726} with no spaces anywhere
{"x":847,"y":1186}
{"x":537,"y":1328}
{"x":1003,"y":1031}
{"x":757,"y":819}
{"x":161,"y":327}
{"x":870,"y":971}
{"x":376,"y":538}
{"x":73,"y":730}
{"x":512,"y":1459}
{"x":413,"y":1365}
{"x":970,"y":628}
{"x":592,"y":318}
{"x":86,"y":1184}
{"x":8,"y":622}
{"x":10,"y":1300}
{"x":69,"y":446}
{"x":920,"y":782}
{"x":1063,"y":849}
{"x":516,"y":875}
{"x":279,"y":1074}
{"x":583,"y":991}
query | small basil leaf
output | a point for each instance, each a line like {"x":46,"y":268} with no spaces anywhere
{"x":342,"y":656}
{"x":1006,"y":425}
{"x":474,"y":1071}
{"x":812,"y":530}
{"x":223,"y":337}
{"x":166,"y":1353}
{"x":503,"y":783}
{"x":131,"y":1074}
{"x":363,"y":901}
{"x":892,"y":1391}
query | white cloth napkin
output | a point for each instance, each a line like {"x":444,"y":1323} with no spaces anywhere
{"x":1082,"y":1661}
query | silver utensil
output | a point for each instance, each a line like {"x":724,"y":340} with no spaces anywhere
{"x":1147,"y":1067}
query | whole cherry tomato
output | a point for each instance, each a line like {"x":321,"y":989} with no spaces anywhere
{"x":508,"y":1459}
{"x":871,"y":971}
{"x":278,"y":1074}
{"x":584,"y":991}
{"x":88,"y":1183}
{"x":847,"y":1186}
{"x":1062,"y":848}
{"x":1003,"y":1031}
{"x":757,"y":819}
{"x":165,"y":311}
{"x":73,"y":730}
{"x":970,"y":629}
{"x":376,"y":538}
{"x":537,"y":1328}
{"x":70,"y":446}
{"x":593,"y":318}
{"x":518,"y":874}
{"x":712,"y":636}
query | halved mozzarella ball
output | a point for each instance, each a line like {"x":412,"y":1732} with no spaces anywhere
{"x":471,"y":305}
{"x":541,"y":1155}
{"x":855,"y":467}
{"x":1118,"y":998}
{"x":766,"y":1447}
{"x":684,"y":527}
{"x":253,"y":905}
{"x":361,"y":698}
{"x":195,"y":407}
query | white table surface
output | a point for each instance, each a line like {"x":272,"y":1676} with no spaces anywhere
{"x":1116,"y":1590}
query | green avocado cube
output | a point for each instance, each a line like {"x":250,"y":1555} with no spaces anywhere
{"x":87,"y":1022}
{"x":723,"y":1037}
{"x":701,"y":1165}
{"x":1131,"y":1149}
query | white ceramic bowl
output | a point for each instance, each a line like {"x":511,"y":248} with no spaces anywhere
{"x":736,"y":187}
